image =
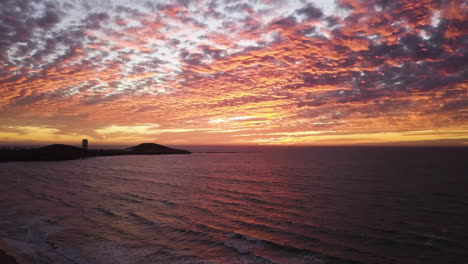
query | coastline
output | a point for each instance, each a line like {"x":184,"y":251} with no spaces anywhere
{"x":58,"y":152}
{"x":6,"y":258}
{"x":8,"y":254}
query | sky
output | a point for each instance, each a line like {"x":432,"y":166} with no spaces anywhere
{"x":325,"y":72}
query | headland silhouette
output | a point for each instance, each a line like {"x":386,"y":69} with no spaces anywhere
{"x":56,"y":152}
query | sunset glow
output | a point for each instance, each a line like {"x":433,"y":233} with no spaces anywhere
{"x":234,"y":72}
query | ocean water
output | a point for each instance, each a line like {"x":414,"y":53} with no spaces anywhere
{"x":261,"y":205}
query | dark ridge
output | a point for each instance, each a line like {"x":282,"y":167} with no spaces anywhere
{"x":47,"y":153}
{"x":6,"y":259}
{"x":152,"y":148}
{"x":148,"y":147}
{"x":58,"y":152}
{"x":61,"y":147}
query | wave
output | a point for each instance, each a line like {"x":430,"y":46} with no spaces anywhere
{"x":136,"y":196}
{"x":255,"y":242}
{"x":38,"y":229}
{"x":233,"y":192}
{"x":106,"y":212}
{"x":276,"y":252}
{"x":71,"y":255}
{"x":143,"y":220}
{"x":214,"y":212}
{"x":268,"y":250}
{"x":127,"y":199}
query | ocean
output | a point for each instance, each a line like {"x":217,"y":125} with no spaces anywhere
{"x":255,"y":205}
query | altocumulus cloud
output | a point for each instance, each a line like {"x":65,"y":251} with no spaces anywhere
{"x":301,"y":69}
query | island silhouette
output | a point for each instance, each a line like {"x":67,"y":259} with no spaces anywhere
{"x":57,"y":152}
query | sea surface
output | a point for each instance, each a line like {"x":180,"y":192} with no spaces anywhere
{"x":260,"y":205}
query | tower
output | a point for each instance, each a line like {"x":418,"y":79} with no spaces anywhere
{"x":85,"y":144}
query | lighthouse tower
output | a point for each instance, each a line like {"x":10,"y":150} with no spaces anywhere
{"x":84,"y":144}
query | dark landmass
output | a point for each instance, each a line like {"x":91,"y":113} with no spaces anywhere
{"x":65,"y":152}
{"x":152,"y":148}
{"x":6,"y":259}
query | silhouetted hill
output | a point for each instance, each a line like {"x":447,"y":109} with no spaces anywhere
{"x":51,"y":152}
{"x":59,"y":152}
{"x":153,"y":148}
{"x":61,"y":148}
{"x":67,"y":152}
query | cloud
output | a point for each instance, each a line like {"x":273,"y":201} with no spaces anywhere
{"x":49,"y":19}
{"x":147,"y":129}
{"x":310,"y":12}
{"x":350,"y":66}
{"x":36,"y":134}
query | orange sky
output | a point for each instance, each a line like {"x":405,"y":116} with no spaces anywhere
{"x":234,"y":72}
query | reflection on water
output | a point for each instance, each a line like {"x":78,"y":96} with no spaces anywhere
{"x":276,"y":205}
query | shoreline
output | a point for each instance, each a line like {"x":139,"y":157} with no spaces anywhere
{"x":10,"y":255}
{"x":58,"y":152}
{"x":5,"y":258}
